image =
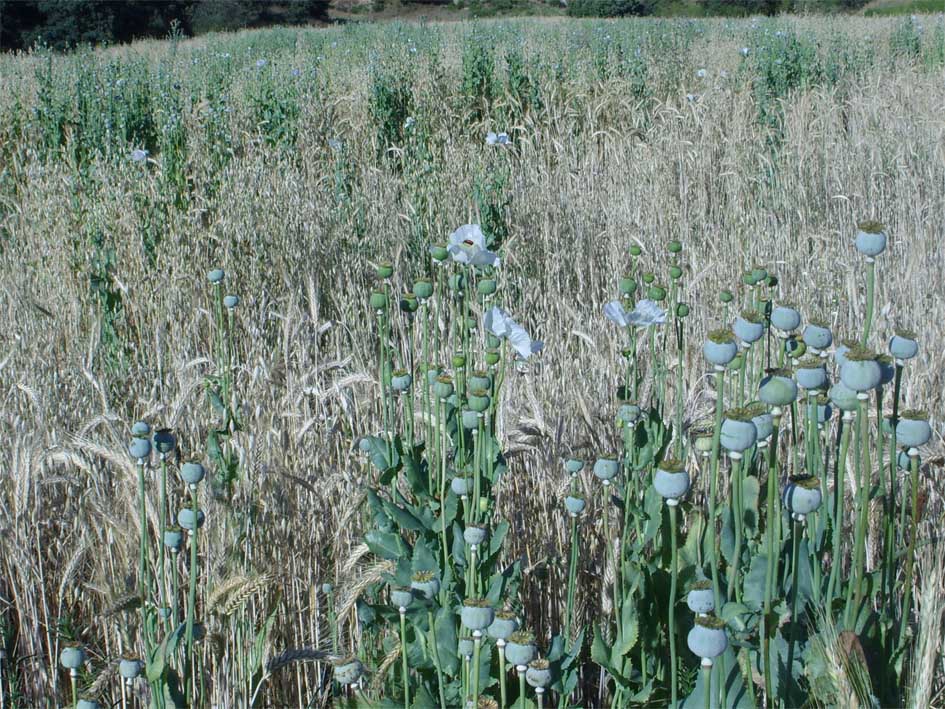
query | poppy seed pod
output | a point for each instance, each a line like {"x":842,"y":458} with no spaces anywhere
{"x":185,"y":518}
{"x":657,"y":293}
{"x":674,"y":246}
{"x":432,"y":371}
{"x":701,"y":599}
{"x":785,"y":318}
{"x":749,"y":327}
{"x":762,"y":421}
{"x":811,"y":374}
{"x":902,"y":345}
{"x":802,"y":495}
{"x":794,"y":348}
{"x":439,"y":253}
{"x":129,"y":667}
{"x":140,"y":430}
{"x":480,"y":380}
{"x":758,"y":274}
{"x":477,"y":614}
{"x":86,"y":703}
{"x":425,"y":584}
{"x":627,"y":287}
{"x":738,"y":431}
{"x":401,"y":597}
{"x":378,"y":301}
{"x":384,"y":270}
{"x":671,"y":481}
{"x":538,"y":674}
{"x":173,"y":538}
{"x":470,"y":419}
{"x":887,"y":369}
{"x":72,"y":657}
{"x":457,"y":283}
{"x":327,"y":588}
{"x":443,"y":387}
{"x":192,"y":473}
{"x":216,"y":275}
{"x":682,"y":310}
{"x":409,"y":303}
{"x":778,"y":388}
{"x":479,"y":400}
{"x":628,"y":414}
{"x":635,"y":250}
{"x":707,"y":639}
{"x":348,"y":671}
{"x":720,"y":348}
{"x":520,"y":649}
{"x":648,"y":278}
{"x":423,"y":289}
{"x":493,"y":356}
{"x":870,"y":238}
{"x":460,"y":486}
{"x":840,"y":353}
{"x":675,"y":272}
{"x":726,"y":296}
{"x":843,"y":397}
{"x":165,"y":441}
{"x":574,"y":505}
{"x":474,"y":535}
{"x":503,"y":626}
{"x":861,"y":372}
{"x":139,"y":448}
{"x":573,"y":466}
{"x":606,"y":469}
{"x":466,"y":647}
{"x":824,"y":410}
{"x":231,"y":301}
{"x":400,"y":380}
{"x":913,"y":429}
{"x":817,"y":335}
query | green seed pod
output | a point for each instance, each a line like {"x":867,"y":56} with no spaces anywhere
{"x":327,"y":588}
{"x":737,"y":363}
{"x":538,"y":674}
{"x":707,"y":639}
{"x":675,"y":272}
{"x":139,"y":448}
{"x":674,"y":246}
{"x":460,"y":486}
{"x":423,"y":289}
{"x":487,"y":286}
{"x":682,"y":310}
{"x":185,"y":518}
{"x":719,"y":347}
{"x":726,"y":296}
{"x":574,"y":465}
{"x":503,"y":626}
{"x":657,"y":293}
{"x":439,"y":253}
{"x":671,"y":481}
{"x":378,"y":301}
{"x":409,"y":303}
{"x":231,"y":301}
{"x":479,"y":400}
{"x":471,"y":323}
{"x":701,"y":599}
{"x":457,"y":282}
{"x":492,"y":357}
{"x":477,"y":613}
{"x":749,"y":327}
{"x":401,"y":597}
{"x":348,"y":671}
{"x":174,"y":538}
{"x":738,"y":432}
{"x":861,"y":372}
{"x":130,"y":667}
{"x":458,"y":360}
{"x":86,"y":703}
{"x":384,"y":270}
{"x":802,"y":495}
{"x":520,"y":649}
{"x":425,"y":584}
{"x":165,"y":441}
{"x":811,"y":374}
{"x":903,"y":345}
{"x":843,"y":397}
{"x":443,"y":387}
{"x":474,"y":534}
{"x":817,"y":335}
{"x":606,"y":468}
{"x":401,"y":380}
{"x":192,"y":473}
{"x":574,"y":505}
{"x":870,"y":238}
{"x":785,"y":318}
{"x":648,"y":278}
{"x":72,"y":656}
{"x":913,"y":429}
{"x":216,"y":275}
{"x":466,"y":647}
{"x":794,"y":348}
{"x":140,"y":430}
{"x":470,"y":419}
{"x":480,"y":380}
{"x":635,"y":250}
{"x":778,"y":388}
{"x":627,"y":286}
{"x":758,"y":274}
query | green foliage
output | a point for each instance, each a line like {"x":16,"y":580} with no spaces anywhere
{"x":609,"y":8}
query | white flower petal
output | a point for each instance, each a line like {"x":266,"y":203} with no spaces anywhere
{"x":497,"y":321}
{"x":468,"y":235}
{"x":615,"y":312}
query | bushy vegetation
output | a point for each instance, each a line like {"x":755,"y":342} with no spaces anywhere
{"x":504,"y":364}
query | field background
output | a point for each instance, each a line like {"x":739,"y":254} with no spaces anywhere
{"x":282,"y":157}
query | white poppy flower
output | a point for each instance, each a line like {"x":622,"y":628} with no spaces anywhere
{"x":645,"y":314}
{"x":497,"y":138}
{"x":497,"y":321}
{"x":500,"y":324}
{"x":468,"y":245}
{"x":701,"y":73}
{"x":139,"y":155}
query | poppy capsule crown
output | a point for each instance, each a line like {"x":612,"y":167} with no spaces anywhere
{"x":707,"y":639}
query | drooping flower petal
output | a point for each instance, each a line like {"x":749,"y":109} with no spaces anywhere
{"x":497,"y":321}
{"x":468,"y":245}
{"x":614,"y":311}
{"x":139,"y":155}
{"x":522,"y":342}
{"x":645,"y":314}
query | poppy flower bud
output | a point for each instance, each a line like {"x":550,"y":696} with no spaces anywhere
{"x":384,"y":270}
{"x":378,"y":301}
{"x":726,"y":296}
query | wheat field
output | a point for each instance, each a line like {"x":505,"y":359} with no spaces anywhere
{"x":285,"y":158}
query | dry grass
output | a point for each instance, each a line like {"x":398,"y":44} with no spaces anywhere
{"x":592,"y":173}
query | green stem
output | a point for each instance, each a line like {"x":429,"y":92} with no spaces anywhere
{"x":795,"y":561}
{"x":910,"y":556}
{"x":502,"y":690}
{"x":477,"y":647}
{"x":672,"y":602}
{"x":713,"y":484}
{"x":403,"y":656}
{"x":870,"y":298}
{"x":192,"y":592}
{"x":773,"y":545}
{"x":707,"y":675}
{"x":436,"y":658}
{"x":572,"y":579}
{"x":838,"y":484}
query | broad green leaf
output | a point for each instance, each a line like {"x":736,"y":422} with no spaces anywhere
{"x":754,"y":582}
{"x":386,"y":545}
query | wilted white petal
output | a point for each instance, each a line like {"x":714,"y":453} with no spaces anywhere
{"x":484,"y":258}
{"x":615,"y":312}
{"x":521,"y":342}
{"x":497,"y":321}
{"x":491,"y":138}
{"x":650,"y":313}
{"x":502,"y":139}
